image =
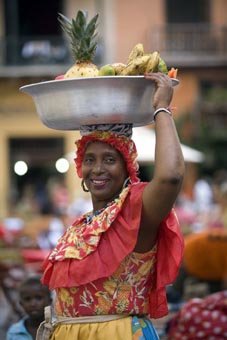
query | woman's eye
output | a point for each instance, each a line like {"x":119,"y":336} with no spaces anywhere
{"x":88,"y":160}
{"x":109,"y":160}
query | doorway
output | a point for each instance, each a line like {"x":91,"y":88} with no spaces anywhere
{"x":30,"y":190}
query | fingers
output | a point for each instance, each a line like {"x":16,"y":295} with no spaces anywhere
{"x":159,"y":78}
{"x":163,"y":89}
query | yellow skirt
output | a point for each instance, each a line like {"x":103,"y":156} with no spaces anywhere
{"x":111,"y":330}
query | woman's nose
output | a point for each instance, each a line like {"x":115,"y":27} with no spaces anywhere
{"x":97,"y":167}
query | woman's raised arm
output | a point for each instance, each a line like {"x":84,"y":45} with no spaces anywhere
{"x":160,"y":194}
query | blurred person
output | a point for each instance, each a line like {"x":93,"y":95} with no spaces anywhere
{"x":58,"y":195}
{"x":200,"y":318}
{"x":47,"y":239}
{"x":202,"y":195}
{"x":10,"y":310}
{"x":33,"y":297}
{"x":27,"y":206}
{"x":218,"y":214}
{"x":204,"y":267}
{"x":78,"y":207}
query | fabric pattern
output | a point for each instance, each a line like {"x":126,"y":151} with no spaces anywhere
{"x":83,"y":238}
{"x":142,"y":329}
{"x":114,"y":246}
{"x":125,"y":292}
{"x":119,"y":129}
{"x":201,"y":319}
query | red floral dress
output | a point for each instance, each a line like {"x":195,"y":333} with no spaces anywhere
{"x":124,"y":292}
{"x":95,"y":271}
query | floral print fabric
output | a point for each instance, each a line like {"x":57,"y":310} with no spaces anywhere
{"x":82,"y":238}
{"x":106,"y":244}
{"x":124,"y":292}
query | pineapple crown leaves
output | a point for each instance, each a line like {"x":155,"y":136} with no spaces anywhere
{"x":82,"y":35}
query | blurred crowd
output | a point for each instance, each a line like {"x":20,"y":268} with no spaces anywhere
{"x":35,"y":224}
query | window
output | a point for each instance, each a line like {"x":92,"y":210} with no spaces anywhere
{"x":193,"y":11}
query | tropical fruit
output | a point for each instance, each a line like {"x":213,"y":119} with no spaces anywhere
{"x":106,"y":70}
{"x":118,"y":68}
{"x":162,"y":66}
{"x":137,"y":51}
{"x":82,"y":35}
{"x":153,"y":62}
{"x":137,"y":66}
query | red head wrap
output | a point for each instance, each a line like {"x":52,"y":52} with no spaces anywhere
{"x":123,"y":144}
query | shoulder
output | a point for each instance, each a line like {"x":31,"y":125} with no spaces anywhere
{"x":17,"y":330}
{"x":137,"y":188}
{"x":135,"y":193}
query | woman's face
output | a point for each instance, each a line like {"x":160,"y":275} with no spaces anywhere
{"x":104,"y":171}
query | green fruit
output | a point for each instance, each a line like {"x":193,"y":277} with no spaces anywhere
{"x":162,"y":66}
{"x":106,"y":70}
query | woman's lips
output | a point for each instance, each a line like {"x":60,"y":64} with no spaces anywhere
{"x":99,"y":182}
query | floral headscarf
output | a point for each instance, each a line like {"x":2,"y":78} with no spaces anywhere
{"x":110,"y":135}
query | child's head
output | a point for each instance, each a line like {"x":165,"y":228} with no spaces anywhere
{"x":34,"y":297}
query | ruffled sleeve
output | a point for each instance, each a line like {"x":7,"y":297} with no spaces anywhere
{"x":170,"y":248}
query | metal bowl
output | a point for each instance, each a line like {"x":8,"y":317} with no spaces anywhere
{"x":69,"y":103}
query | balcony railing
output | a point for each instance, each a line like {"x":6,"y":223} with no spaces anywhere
{"x":191,"y":43}
{"x":33,"y":50}
{"x":30,"y":55}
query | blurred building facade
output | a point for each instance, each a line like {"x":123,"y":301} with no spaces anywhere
{"x":191,"y":36}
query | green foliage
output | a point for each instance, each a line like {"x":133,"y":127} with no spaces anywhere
{"x":81,"y":34}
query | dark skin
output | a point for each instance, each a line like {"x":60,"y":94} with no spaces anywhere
{"x":33,"y":299}
{"x":104,"y":178}
{"x":104,"y":172}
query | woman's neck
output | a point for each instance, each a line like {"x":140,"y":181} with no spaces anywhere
{"x":101,"y":204}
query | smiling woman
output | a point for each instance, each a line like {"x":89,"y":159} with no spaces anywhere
{"x":110,"y":268}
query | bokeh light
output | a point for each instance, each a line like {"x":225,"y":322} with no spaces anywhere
{"x":20,"y":168}
{"x":62,"y":165}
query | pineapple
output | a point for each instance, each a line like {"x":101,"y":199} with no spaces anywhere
{"x":82,"y":38}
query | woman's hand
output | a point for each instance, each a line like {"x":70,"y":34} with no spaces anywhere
{"x":164,"y":89}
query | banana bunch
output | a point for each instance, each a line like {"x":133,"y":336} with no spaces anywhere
{"x":140,"y":62}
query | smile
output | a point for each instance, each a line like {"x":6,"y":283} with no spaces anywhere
{"x":99,"y":182}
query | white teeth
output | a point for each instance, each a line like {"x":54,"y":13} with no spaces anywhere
{"x":98,"y":182}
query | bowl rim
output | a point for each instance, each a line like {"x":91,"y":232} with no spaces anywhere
{"x":62,"y":81}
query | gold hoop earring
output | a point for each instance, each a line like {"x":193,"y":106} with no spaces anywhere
{"x":126,"y":182}
{"x":83,"y":186}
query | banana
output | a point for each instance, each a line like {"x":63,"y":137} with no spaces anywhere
{"x":118,"y":68}
{"x":137,"y":51}
{"x":152,"y":65}
{"x":136,"y":66}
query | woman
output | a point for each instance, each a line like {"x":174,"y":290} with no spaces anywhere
{"x":110,"y":269}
